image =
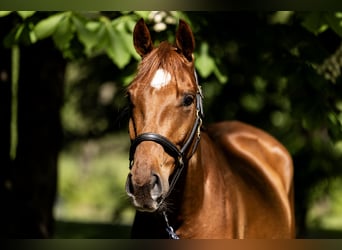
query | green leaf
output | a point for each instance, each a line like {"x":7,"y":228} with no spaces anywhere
{"x":47,"y":26}
{"x":25,"y":35}
{"x":222,"y":78}
{"x":125,"y":28}
{"x":204,"y":62}
{"x":206,"y":65}
{"x":5,"y":13}
{"x":143,"y":14}
{"x":63,"y":33}
{"x":128,"y":42}
{"x":25,"y":14}
{"x":113,"y":43}
{"x":86,"y":32}
{"x":20,"y":34}
{"x":117,"y":50}
{"x":9,"y":40}
{"x":315,"y":22}
{"x":102,"y":38}
{"x":93,"y":26}
{"x":335,"y":22}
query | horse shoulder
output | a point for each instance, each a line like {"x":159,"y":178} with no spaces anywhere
{"x":260,"y":161}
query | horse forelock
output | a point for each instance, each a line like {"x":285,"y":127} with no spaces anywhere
{"x":165,"y":57}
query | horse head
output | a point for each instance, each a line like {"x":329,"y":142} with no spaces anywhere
{"x":166,"y":112}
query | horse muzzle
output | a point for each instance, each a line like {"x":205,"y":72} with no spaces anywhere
{"x":146,"y":196}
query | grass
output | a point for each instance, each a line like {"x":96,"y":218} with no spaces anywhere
{"x":91,"y":183}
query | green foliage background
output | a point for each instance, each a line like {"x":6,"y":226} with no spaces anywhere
{"x":280,"y":71}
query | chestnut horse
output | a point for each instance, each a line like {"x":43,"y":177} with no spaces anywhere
{"x":230,"y":180}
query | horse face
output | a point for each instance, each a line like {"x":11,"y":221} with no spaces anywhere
{"x":162,"y":98}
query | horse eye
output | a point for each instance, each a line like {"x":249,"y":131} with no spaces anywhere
{"x":188,"y":100}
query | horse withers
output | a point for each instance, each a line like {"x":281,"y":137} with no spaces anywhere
{"x":229,"y":180}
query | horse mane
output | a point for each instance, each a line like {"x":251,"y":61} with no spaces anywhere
{"x":165,"y":56}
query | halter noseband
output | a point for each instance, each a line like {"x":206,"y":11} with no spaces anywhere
{"x":180,"y":155}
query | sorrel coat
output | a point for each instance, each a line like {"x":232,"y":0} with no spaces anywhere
{"x":228,"y":180}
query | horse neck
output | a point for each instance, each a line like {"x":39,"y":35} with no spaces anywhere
{"x":204,"y":172}
{"x":203,"y":208}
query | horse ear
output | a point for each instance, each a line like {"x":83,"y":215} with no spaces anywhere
{"x":142,"y":38}
{"x":185,"y":40}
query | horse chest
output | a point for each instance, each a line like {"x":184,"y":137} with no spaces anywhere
{"x":212,"y":219}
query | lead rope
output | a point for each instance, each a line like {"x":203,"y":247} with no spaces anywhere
{"x":169,"y":229}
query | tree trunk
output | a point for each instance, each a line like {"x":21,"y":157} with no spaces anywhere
{"x":5,"y":118}
{"x":34,"y":171}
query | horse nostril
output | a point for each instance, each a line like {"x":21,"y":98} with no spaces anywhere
{"x":129,"y":185}
{"x":156,"y":187}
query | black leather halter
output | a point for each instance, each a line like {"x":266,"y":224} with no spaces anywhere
{"x":180,"y":155}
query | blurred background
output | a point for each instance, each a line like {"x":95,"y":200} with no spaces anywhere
{"x":64,"y":117}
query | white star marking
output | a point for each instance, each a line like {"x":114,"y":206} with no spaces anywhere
{"x":161,"y":78}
